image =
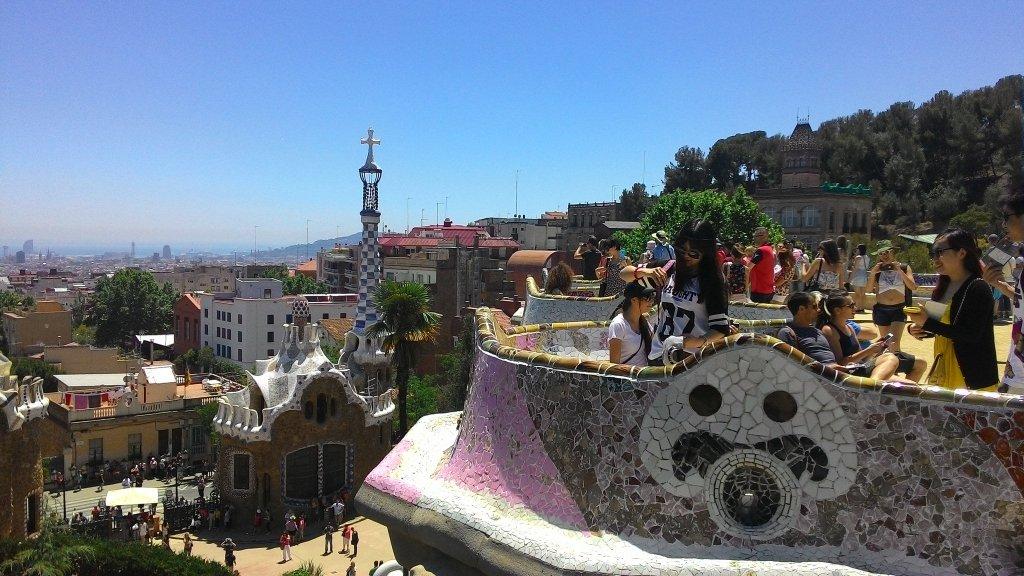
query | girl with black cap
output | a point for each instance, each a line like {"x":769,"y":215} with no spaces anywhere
{"x":694,"y":302}
{"x":629,"y":334}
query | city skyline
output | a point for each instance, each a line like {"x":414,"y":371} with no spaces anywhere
{"x":133,"y":134}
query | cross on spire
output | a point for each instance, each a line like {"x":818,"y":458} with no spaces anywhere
{"x":369,"y":141}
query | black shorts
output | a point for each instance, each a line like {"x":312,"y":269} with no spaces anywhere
{"x":865,"y":370}
{"x":761,"y":298}
{"x":886,"y":314}
{"x":906,"y":362}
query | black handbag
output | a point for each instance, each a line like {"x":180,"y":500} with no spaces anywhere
{"x":814,"y":285}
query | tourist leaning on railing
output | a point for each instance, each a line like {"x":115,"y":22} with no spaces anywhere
{"x":694,"y":303}
{"x":961,"y":319}
{"x":559,"y":280}
{"x":1011,"y":205}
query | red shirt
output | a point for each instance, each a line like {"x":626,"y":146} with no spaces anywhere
{"x":762,"y":275}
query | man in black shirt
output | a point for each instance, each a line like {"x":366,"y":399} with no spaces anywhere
{"x":591,"y":257}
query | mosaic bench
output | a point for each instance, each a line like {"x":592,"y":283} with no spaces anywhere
{"x":749,"y":460}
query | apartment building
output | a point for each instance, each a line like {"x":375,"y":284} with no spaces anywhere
{"x":246,"y":325}
{"x":28,"y":331}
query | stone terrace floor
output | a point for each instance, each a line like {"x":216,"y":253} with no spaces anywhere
{"x":261,"y":556}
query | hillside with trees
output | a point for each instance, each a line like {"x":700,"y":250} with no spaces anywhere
{"x":925,"y":163}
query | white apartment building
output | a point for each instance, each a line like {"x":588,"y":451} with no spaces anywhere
{"x":248,"y":324}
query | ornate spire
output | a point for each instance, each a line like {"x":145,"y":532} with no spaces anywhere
{"x":370,"y":141}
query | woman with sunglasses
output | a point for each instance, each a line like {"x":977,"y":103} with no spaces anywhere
{"x":694,"y":303}
{"x":965,"y":349}
{"x":1012,"y":205}
{"x":835,"y":320}
{"x":630,"y":334}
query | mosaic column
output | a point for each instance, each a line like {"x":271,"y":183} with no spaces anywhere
{"x":369,"y":272}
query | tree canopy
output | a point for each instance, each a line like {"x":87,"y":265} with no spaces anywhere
{"x":297,"y":284}
{"x":952,"y":147}
{"x":128,"y":303}
{"x":634,"y":201}
{"x":735,"y":216}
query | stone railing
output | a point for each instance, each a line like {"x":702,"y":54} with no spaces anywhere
{"x":24,"y":401}
{"x":120,"y":410}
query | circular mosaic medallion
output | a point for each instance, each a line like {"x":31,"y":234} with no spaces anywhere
{"x":750,"y":494}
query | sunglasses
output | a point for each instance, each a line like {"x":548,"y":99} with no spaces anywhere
{"x":692,"y":254}
{"x":937,"y":251}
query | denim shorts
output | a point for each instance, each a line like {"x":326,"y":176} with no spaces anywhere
{"x":886,"y":314}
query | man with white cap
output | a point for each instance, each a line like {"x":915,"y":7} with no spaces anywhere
{"x":663,"y":250}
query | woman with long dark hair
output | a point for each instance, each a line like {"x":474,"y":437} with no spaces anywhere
{"x":786,"y":270}
{"x":630,"y":334}
{"x":694,"y":305}
{"x":965,"y":349}
{"x":735,"y":273}
{"x":559,"y":280}
{"x":827,"y":272}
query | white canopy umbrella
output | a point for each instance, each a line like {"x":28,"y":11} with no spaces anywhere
{"x":133,"y":496}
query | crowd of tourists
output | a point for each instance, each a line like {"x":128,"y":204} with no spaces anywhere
{"x":127,"y":472}
{"x":692,"y":280}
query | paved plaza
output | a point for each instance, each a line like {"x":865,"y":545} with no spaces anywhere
{"x":261,"y":556}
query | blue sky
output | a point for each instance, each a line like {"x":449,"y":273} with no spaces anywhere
{"x":189,"y":123}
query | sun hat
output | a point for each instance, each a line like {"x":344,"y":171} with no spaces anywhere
{"x":660,"y":236}
{"x":883,"y":246}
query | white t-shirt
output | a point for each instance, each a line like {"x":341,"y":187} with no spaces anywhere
{"x":631,"y":352}
{"x":684,"y":315}
{"x":890,"y":281}
{"x":1014,"y":375}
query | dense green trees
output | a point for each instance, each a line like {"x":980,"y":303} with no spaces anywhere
{"x":128,"y":303}
{"x":735,"y":216}
{"x":297,"y":284}
{"x":202,"y":360}
{"x":634,"y":201}
{"x":925,"y":163}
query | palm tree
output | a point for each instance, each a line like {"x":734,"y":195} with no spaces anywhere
{"x":405,"y":322}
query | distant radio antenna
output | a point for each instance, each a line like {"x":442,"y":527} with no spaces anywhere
{"x":643,"y":175}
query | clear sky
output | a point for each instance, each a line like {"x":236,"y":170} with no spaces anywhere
{"x":190,"y":122}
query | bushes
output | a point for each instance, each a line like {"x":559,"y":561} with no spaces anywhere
{"x":59,"y":552}
{"x":306,"y":569}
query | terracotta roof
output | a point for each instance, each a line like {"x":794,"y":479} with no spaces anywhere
{"x":192,"y":300}
{"x":337,"y":327}
{"x":529,"y":259}
{"x":498,"y":243}
{"x":309,"y":266}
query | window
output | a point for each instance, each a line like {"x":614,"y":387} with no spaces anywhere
{"x":266,"y":294}
{"x":321,"y":408}
{"x":229,"y":333}
{"x":326,"y":315}
{"x":239,"y":335}
{"x":135,"y":445}
{"x":270,"y":353}
{"x":239,"y":318}
{"x":270,"y":336}
{"x":206,"y":329}
{"x":228,"y":355}
{"x":198,"y":440}
{"x":301,"y":475}
{"x":334,"y":464}
{"x":94,"y":401}
{"x":206,"y":312}
{"x":288,"y":319}
{"x":239,"y":354}
{"x":218,"y":331}
{"x":95,"y":450}
{"x":229,"y":316}
{"x":334,"y":406}
{"x":240,"y":472}
{"x":789,"y":218}
{"x":811,"y":217}
{"x":343,"y":315}
{"x":270,"y":318}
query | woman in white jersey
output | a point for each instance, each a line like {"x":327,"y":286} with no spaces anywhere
{"x":1012,"y":206}
{"x":694,"y":303}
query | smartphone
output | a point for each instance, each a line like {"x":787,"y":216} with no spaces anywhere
{"x":997,"y":255}
{"x":887,"y":338}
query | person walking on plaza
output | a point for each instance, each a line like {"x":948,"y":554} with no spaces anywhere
{"x":302,"y":527}
{"x":186,"y":544}
{"x":355,"y":542}
{"x":328,"y":538}
{"x":229,"y":552}
{"x":338,"y":511}
{"x":346,"y":538}
{"x":890,"y":281}
{"x":1012,"y":206}
{"x":286,"y":547}
{"x":165,"y":536}
{"x":826,"y":272}
{"x":291,"y":527}
{"x":859,"y":276}
{"x":762,"y":269}
{"x":201,"y":484}
{"x":351,"y":569}
{"x":257,"y":520}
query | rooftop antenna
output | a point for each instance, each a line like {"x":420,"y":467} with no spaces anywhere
{"x":643,"y":175}
{"x":517,"y":191}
